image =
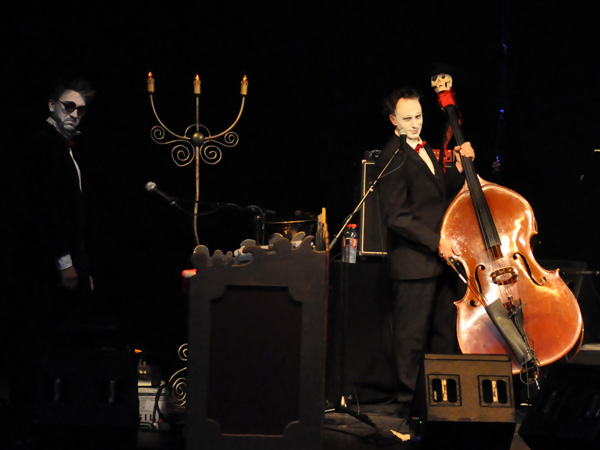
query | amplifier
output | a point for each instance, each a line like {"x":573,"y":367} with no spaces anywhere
{"x":152,"y":405}
{"x":372,"y":239}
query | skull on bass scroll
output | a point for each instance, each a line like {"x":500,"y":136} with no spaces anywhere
{"x":441,"y":82}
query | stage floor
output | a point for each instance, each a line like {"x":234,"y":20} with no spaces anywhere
{"x":387,"y":432}
{"x":341,"y":430}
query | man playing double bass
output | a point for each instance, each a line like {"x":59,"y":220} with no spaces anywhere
{"x":415,"y":191}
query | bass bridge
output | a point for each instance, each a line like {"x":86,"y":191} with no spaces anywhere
{"x":504,"y":276}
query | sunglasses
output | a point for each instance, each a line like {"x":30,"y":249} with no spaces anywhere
{"x":71,"y":106}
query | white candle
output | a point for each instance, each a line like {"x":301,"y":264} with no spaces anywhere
{"x":244,"y":88}
{"x":150,"y":83}
{"x":197,"y":85}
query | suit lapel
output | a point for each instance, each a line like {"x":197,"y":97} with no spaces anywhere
{"x":422,"y":165}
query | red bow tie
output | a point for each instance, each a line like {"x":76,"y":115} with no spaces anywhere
{"x":420,"y":146}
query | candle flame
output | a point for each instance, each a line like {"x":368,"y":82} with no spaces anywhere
{"x":197,"y":78}
{"x":149,"y":74}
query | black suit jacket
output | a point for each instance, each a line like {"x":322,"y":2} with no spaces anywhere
{"x":413,"y":203}
{"x":55,"y":201}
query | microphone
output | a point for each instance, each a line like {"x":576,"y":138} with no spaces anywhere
{"x":403,"y":136}
{"x":151,"y":187}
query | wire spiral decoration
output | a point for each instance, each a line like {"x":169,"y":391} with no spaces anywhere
{"x":178,"y":394}
{"x":178,"y":382}
{"x":231,"y":139}
{"x":158,"y":133}
{"x":183,"y":154}
{"x":182,"y":352}
{"x":211,"y":154}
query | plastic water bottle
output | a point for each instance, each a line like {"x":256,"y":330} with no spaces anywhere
{"x":350,"y":244}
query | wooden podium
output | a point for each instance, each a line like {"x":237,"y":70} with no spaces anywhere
{"x":256,"y":358}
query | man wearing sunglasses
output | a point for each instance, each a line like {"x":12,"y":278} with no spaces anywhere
{"x":51,"y":289}
{"x":54,"y":203}
{"x":63,"y":185}
{"x":66,"y":112}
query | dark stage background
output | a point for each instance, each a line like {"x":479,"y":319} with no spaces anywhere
{"x":318,"y":72}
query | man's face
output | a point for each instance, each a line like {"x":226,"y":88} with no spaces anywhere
{"x":59,"y":110}
{"x":408,"y":117}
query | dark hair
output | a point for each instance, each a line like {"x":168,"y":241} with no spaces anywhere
{"x":78,"y":85}
{"x":392,"y":100}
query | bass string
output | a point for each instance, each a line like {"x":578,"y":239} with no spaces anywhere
{"x":507,"y":292}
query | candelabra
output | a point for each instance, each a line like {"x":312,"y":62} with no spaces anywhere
{"x":196,"y":143}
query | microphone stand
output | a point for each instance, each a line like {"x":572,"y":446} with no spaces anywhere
{"x":260,"y":220}
{"x":342,"y":406}
{"x":259,"y":216}
{"x":174,"y":202}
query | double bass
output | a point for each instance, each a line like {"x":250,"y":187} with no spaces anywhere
{"x":512,"y":305}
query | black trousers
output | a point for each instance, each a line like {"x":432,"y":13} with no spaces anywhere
{"x":423,"y":321}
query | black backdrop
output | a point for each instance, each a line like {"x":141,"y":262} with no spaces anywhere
{"x":318,"y":73}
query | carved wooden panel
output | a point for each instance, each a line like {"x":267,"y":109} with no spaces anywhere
{"x":257,"y":348}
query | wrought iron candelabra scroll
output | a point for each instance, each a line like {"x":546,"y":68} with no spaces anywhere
{"x":196,"y":143}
